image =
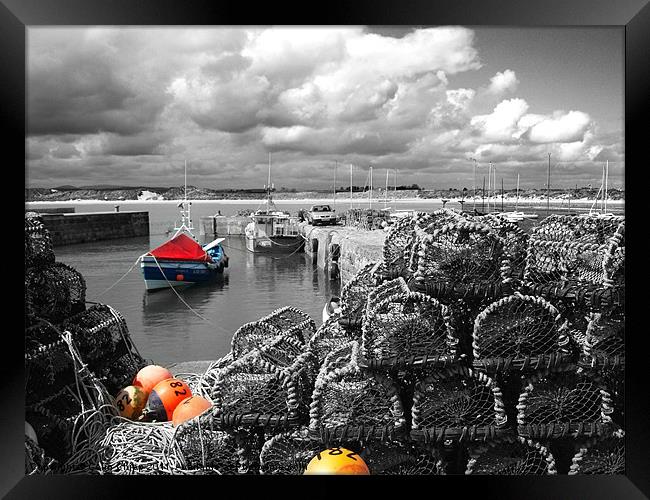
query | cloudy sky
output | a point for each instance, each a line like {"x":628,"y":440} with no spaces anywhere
{"x":128,"y":105}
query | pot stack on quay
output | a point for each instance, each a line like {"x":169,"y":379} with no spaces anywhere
{"x":76,"y":358}
{"x":471,"y":347}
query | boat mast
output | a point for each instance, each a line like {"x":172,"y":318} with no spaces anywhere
{"x":548,"y":186}
{"x":335,"y":165}
{"x":517,"y":202}
{"x":502,"y":194}
{"x":489,"y":184}
{"x":386,"y":193}
{"x":474,"y":185}
{"x":350,"y":186}
{"x":370,"y":192}
{"x":395,"y":190}
{"x":268,"y":188}
{"x":606,"y":179}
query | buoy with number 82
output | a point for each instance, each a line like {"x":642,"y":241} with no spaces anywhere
{"x":164,"y":399}
{"x":130,"y":402}
{"x":338,"y":461}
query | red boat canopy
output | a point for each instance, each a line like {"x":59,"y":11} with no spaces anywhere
{"x":182,"y":247}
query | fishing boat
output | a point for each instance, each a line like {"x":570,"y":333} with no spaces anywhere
{"x":182,"y":260}
{"x":272,"y":230}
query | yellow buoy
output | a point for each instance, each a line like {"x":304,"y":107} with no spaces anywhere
{"x":130,"y":402}
{"x":338,"y":461}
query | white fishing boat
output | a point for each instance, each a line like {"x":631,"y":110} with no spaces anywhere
{"x":272,"y":230}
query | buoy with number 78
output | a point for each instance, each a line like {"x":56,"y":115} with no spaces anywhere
{"x":337,"y":461}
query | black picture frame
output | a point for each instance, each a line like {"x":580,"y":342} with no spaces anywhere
{"x":631,"y":15}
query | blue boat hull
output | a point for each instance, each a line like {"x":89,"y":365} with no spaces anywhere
{"x":176,"y":273}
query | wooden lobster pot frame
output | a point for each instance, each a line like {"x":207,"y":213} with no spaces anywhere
{"x":406,"y":329}
{"x":329,"y":337}
{"x":512,"y":456}
{"x":605,"y":455}
{"x":457,"y":404}
{"x":287,"y":321}
{"x":54,"y":291}
{"x":603,"y":345}
{"x":520,"y":332}
{"x":577,"y":250}
{"x":255,"y":392}
{"x":205,"y":447}
{"x":351,"y":403}
{"x":38,"y":244}
{"x":354,"y":296}
{"x":563,"y":404}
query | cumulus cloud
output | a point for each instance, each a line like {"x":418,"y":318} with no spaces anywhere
{"x":501,"y":124}
{"x":561,"y":127}
{"x":503,"y":81}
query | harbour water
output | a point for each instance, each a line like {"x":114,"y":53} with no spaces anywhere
{"x":164,"y":329}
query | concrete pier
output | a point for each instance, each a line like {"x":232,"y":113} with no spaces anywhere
{"x":70,"y":228}
{"x":223,"y":225}
{"x":355,"y":247}
{"x":56,"y":210}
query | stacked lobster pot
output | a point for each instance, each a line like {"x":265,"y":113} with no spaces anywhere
{"x":260,"y":390}
{"x":75,"y":358}
{"x":575,"y":402}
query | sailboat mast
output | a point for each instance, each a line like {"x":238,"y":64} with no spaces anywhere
{"x":606,"y":179}
{"x":502,"y":194}
{"x":350,"y":186}
{"x":370,"y":192}
{"x":386,"y":192}
{"x":548,"y":186}
{"x":268,"y":187}
{"x":517,"y":202}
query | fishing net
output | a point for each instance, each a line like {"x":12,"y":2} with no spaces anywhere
{"x":517,"y":456}
{"x":406,"y":328}
{"x":354,"y":296}
{"x":583,"y":250}
{"x":287,"y":321}
{"x":38,"y":245}
{"x":329,"y":336}
{"x":214,"y":451}
{"x":54,"y":291}
{"x":103,"y":338}
{"x":600,"y":456}
{"x":520,"y":332}
{"x":141,"y":448}
{"x":350,"y":403}
{"x":288,"y":453}
{"x":397,"y":459}
{"x":398,"y":246}
{"x":457,"y":404}
{"x":254,"y":392}
{"x":36,"y":462}
{"x":202,"y":384}
{"x":603,"y":345}
{"x":460,"y":258}
{"x":564,"y":403}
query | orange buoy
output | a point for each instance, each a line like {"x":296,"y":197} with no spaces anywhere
{"x":189,"y":408}
{"x":149,"y":376}
{"x":130,"y":402}
{"x":164,"y":398}
{"x":338,"y":461}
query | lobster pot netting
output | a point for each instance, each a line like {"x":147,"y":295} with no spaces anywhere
{"x":54,"y":291}
{"x":408,"y":328}
{"x":398,"y":459}
{"x":579,"y":229}
{"x":603,"y":345}
{"x":515,"y":245}
{"x":520,"y":332}
{"x":516,"y":456}
{"x":395,"y":287}
{"x":38,"y":245}
{"x":253,"y":392}
{"x":600,"y":456}
{"x":329,"y":337}
{"x":457,"y":404}
{"x":350,"y":403}
{"x":398,"y":245}
{"x":209,"y":449}
{"x":286,"y":321}
{"x":103,"y":339}
{"x":464,"y":254}
{"x":591,"y":256}
{"x":354,"y":296}
{"x":560,"y":404}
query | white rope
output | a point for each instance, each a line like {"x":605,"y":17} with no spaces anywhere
{"x":123,"y":276}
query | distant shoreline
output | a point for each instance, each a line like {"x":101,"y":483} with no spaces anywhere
{"x":524,"y":202}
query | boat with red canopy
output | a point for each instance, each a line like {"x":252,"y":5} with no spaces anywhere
{"x":182,"y":260}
